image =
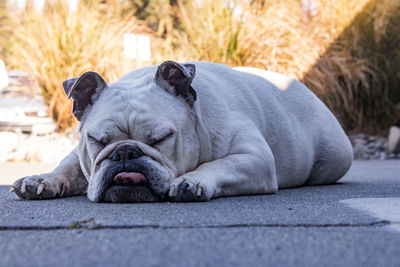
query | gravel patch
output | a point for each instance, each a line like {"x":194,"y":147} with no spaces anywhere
{"x":371,"y":147}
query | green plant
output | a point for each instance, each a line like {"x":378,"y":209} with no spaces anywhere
{"x":156,"y":13}
{"x":208,"y":32}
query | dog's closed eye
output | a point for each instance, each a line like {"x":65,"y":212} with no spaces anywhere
{"x":161,"y":139}
{"x":98,"y":142}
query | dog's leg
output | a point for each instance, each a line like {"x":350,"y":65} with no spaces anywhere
{"x":249,"y":168}
{"x":66,"y":180}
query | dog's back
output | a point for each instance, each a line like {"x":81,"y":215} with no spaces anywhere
{"x":305,"y":137}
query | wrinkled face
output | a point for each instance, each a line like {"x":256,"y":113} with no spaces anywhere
{"x":132,"y":146}
{"x":137,"y":135}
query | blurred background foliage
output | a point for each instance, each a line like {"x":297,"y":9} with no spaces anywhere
{"x":346,"y":51}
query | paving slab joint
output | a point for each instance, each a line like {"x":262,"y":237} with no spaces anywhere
{"x":90,"y":224}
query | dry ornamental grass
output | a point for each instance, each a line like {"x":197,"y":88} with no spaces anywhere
{"x":57,"y":45}
{"x":346,"y":51}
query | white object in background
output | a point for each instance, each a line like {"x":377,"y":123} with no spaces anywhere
{"x":73,"y":5}
{"x":199,"y":3}
{"x":3,"y":75}
{"x":394,"y":139}
{"x":130,"y":45}
{"x":137,"y":46}
{"x":21,"y":3}
{"x":38,"y":5}
{"x":310,"y":7}
{"x":143,"y":47}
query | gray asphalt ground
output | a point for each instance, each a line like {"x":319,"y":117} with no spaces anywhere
{"x":353,"y":223}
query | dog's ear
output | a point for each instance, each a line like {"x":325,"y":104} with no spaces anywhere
{"x":176,"y":79}
{"x":84,"y":90}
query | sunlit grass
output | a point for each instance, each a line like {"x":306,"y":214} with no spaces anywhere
{"x":340,"y":52}
{"x":55,"y":45}
{"x":347,"y":52}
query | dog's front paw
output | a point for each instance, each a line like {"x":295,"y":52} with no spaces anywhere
{"x":37,"y":187}
{"x":185,"y":189}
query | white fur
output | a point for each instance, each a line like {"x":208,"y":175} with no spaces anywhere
{"x":250,"y":131}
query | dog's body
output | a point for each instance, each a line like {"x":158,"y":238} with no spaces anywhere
{"x":192,"y":132}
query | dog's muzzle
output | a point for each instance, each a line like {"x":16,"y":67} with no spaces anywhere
{"x":128,"y":178}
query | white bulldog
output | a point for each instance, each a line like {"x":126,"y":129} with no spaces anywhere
{"x":193,"y":132}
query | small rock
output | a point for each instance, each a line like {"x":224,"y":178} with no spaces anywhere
{"x":358,"y":142}
{"x":371,"y":147}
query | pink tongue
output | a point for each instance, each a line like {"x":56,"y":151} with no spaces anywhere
{"x":130,"y":177}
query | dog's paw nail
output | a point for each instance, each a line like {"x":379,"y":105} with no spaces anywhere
{"x":199,"y":191}
{"x":40,"y":189}
{"x":23,"y":187}
{"x":12,"y":189}
{"x":171,"y":192}
{"x":63,"y":189}
{"x":183,"y":187}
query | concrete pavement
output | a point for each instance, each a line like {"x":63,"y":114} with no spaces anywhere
{"x":353,"y":223}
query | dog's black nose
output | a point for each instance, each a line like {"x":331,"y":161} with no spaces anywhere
{"x":125,"y":152}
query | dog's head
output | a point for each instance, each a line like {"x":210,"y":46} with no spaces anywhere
{"x":138,"y":133}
